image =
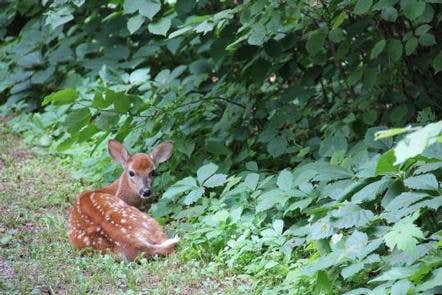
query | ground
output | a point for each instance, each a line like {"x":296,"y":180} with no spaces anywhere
{"x":36,"y":192}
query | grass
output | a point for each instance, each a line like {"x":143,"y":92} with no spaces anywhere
{"x":36,"y":192}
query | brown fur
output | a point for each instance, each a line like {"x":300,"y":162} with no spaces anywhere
{"x":106,"y":219}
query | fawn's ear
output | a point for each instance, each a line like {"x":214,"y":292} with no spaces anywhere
{"x":162,"y":152}
{"x":117,"y":152}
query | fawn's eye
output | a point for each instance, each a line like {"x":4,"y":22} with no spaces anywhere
{"x":131,"y":173}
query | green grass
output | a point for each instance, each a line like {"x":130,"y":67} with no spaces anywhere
{"x":36,"y":192}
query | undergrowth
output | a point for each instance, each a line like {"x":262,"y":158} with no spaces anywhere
{"x":36,"y":192}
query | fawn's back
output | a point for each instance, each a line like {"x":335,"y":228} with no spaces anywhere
{"x":105,"y":219}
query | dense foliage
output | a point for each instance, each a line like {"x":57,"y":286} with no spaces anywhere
{"x":284,"y":96}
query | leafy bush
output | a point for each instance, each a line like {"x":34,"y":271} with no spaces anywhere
{"x":284,"y":96}
{"x":368,"y":222}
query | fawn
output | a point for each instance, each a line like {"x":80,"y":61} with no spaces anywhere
{"x":106,"y":219}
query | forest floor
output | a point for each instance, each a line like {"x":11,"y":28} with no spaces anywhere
{"x":36,"y":192}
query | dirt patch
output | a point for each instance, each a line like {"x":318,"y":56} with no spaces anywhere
{"x":6,"y":118}
{"x":21,"y":155}
{"x":190,"y":289}
{"x":6,"y":272}
{"x":27,"y":227}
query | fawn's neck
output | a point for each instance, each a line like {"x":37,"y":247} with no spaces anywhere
{"x":120,"y":188}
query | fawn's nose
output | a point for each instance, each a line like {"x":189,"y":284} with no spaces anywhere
{"x":145,"y":192}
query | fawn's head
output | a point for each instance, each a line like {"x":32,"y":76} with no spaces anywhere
{"x":140,"y":167}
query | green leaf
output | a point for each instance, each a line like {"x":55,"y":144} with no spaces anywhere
{"x":404,"y":200}
{"x":411,"y":45}
{"x":395,"y":273}
{"x":424,"y":168}
{"x":30,"y":60}
{"x":285,"y":181}
{"x":175,"y":191}
{"x":437,"y":63}
{"x":337,"y":21}
{"x":251,"y":180}
{"x":150,"y":8}
{"x":362,"y":6}
{"x":434,"y":281}
{"x":184,"y":6}
{"x":122,"y":103}
{"x":180,"y":187}
{"x":161,"y":26}
{"x":422,"y":29}
{"x":215,"y":180}
{"x":194,"y":211}
{"x":351,"y":270}
{"x":355,"y":245}
{"x":323,"y":284}
{"x":180,"y":32}
{"x":139,"y":76}
{"x":377,"y":49}
{"x":277,"y":146}
{"x":76,"y":119}
{"x":315,"y":42}
{"x":61,"y":97}
{"x":390,"y":132}
{"x":394,"y":49}
{"x":416,"y":142}
{"x":401,"y":287}
{"x":278,"y":226}
{"x":193,"y":196}
{"x":130,"y":6}
{"x":217,"y":218}
{"x":412,"y":9}
{"x":390,"y":14}
{"x":319,"y":171}
{"x":134,"y":23}
{"x":41,"y":77}
{"x":385,"y":164}
{"x":424,"y":182}
{"x":404,"y":234}
{"x":101,"y":101}
{"x":205,"y":172}
{"x":217,"y":147}
{"x":107,"y":121}
{"x":147,"y":8}
{"x":351,"y":215}
{"x":336,"y":35}
{"x":204,"y":27}
{"x":355,"y":76}
{"x":357,"y":267}
{"x":87,"y":132}
{"x":427,"y":40}
{"x":59,"y":17}
{"x":271,"y":198}
{"x":321,"y":229}
{"x":337,"y":142}
{"x":321,"y":263}
{"x":257,"y":35}
{"x":371,"y":191}
{"x":301,"y":205}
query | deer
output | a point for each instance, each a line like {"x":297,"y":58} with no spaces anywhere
{"x":106,"y":219}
